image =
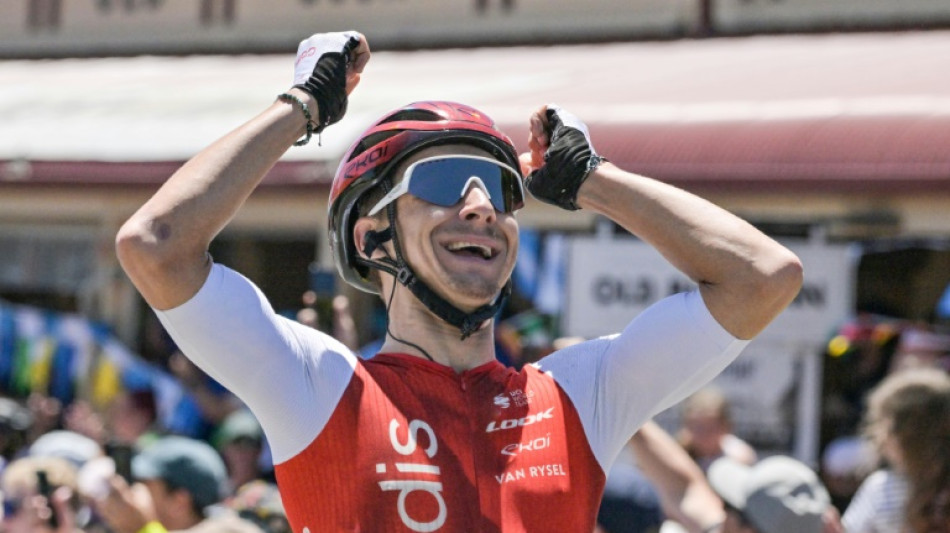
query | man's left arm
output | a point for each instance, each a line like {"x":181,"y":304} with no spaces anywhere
{"x":746,"y":278}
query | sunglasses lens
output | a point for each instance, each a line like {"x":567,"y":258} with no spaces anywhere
{"x":444,"y":181}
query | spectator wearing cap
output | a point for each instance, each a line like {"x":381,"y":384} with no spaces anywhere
{"x":184,"y":481}
{"x":776,"y":495}
{"x":240,"y":441}
{"x":184,"y":476}
{"x":74,"y":447}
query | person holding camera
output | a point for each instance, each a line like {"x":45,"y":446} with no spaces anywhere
{"x":40,"y":496}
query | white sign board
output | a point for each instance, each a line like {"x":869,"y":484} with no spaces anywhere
{"x":774,"y":386}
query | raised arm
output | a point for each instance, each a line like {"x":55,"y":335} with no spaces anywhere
{"x":745,"y":277}
{"x":163,"y":247}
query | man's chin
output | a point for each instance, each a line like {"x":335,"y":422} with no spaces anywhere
{"x":469,"y":298}
{"x":466,"y":292}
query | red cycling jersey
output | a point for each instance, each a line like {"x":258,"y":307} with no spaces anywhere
{"x":399,"y":443}
{"x":413,"y":446}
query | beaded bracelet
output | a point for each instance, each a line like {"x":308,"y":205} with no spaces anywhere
{"x":291,"y":99}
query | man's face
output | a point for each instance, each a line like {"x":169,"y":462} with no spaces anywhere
{"x":465,"y":252}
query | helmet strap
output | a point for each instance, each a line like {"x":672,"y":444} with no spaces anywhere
{"x":468,"y":323}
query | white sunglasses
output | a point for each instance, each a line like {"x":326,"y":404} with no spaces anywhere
{"x":444,"y":180}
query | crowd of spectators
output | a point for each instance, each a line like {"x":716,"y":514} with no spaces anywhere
{"x":119,"y":466}
{"x":117,"y":471}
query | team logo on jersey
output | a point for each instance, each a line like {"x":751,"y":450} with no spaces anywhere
{"x":495,"y":425}
{"x":414,"y":477}
{"x":519,"y":397}
{"x":517,"y":448}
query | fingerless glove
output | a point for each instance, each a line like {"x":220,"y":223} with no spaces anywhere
{"x":320,"y":70}
{"x":569,"y":159}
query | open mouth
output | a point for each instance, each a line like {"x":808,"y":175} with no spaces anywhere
{"x":471,"y":249}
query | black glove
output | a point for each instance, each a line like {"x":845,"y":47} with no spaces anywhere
{"x":321,"y":71}
{"x":568,"y":161}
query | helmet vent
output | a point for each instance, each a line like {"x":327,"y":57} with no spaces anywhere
{"x":370,"y":140}
{"x":413,"y":114}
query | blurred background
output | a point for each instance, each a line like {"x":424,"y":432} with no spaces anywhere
{"x":824,"y":123}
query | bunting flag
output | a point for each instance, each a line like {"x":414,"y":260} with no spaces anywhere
{"x":69,"y":357}
{"x":105,"y":382}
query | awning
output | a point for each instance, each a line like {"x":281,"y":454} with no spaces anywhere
{"x":841,"y":112}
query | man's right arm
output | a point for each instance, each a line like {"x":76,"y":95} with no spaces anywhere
{"x":219,"y":319}
{"x":163,"y":247}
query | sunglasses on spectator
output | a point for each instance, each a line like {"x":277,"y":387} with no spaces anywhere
{"x":444,"y":180}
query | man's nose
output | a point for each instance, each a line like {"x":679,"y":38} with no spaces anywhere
{"x":477,"y":204}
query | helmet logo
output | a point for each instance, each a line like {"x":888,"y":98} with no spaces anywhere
{"x":358,"y":165}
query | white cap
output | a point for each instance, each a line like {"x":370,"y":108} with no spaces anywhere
{"x":69,"y":445}
{"x":777,"y":495}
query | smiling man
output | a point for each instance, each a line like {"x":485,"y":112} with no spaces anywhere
{"x":433,"y":434}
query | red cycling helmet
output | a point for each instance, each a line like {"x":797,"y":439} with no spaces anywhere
{"x":381,"y":148}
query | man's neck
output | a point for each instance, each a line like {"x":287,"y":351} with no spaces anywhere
{"x":414,"y":329}
{"x":442,"y":342}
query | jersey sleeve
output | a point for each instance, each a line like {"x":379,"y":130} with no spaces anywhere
{"x":290,"y":375}
{"x":617,"y":383}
